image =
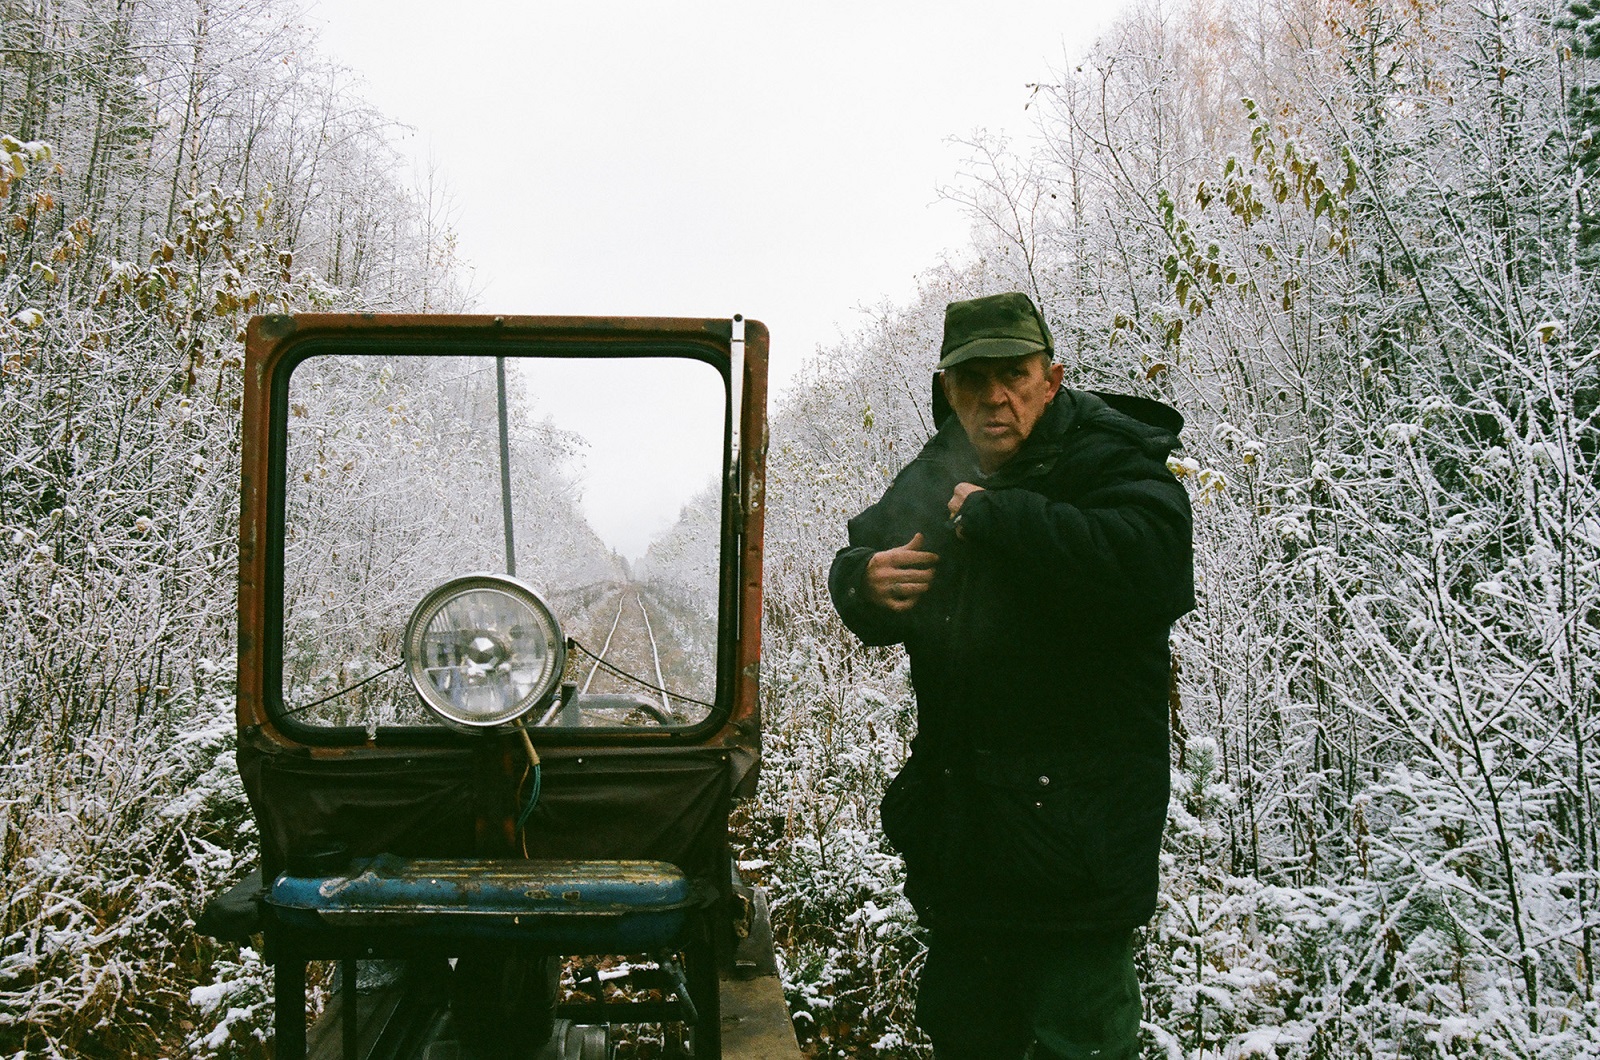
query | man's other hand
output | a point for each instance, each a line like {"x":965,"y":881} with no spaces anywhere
{"x":897,"y":577}
{"x":963,"y":490}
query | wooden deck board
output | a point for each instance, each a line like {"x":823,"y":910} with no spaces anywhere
{"x":755,"y":1021}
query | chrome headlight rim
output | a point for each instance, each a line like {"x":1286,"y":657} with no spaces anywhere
{"x":414,"y":650}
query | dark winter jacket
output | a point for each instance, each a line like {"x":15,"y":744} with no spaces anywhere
{"x":1037,"y":789}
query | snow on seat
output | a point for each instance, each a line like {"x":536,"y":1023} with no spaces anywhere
{"x":580,"y":906}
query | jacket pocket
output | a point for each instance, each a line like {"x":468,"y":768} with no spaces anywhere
{"x":910,"y":812}
{"x":1024,"y":834}
{"x":913,"y":823}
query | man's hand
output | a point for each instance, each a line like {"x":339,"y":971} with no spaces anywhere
{"x":897,"y":577}
{"x":963,"y":490}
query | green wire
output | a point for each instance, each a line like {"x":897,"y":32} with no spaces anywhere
{"x":533,"y":800}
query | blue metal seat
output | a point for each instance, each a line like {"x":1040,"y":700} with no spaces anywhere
{"x":562,"y":905}
{"x":386,"y":905}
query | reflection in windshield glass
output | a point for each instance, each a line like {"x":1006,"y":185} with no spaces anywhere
{"x":393,"y":487}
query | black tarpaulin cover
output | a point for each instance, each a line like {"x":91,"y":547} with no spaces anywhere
{"x":664,"y":804}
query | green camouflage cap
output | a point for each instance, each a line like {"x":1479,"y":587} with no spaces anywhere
{"x":1000,"y":325}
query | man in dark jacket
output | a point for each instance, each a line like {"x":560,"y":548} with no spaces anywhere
{"x":1032,"y":559}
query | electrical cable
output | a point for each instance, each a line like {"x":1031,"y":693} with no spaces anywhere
{"x":533,"y":793}
{"x":572,"y":644}
{"x":347,"y":688}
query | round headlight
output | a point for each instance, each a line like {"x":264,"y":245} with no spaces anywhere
{"x":483,"y":650}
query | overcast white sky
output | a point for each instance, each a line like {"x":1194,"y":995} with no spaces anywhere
{"x":703,"y":158}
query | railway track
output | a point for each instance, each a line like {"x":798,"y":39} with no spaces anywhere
{"x":629,"y":645}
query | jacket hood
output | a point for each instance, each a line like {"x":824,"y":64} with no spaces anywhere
{"x":1145,"y":410}
{"x":1154,"y":425}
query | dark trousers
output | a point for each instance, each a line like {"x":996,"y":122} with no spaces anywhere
{"x":1067,"y":996}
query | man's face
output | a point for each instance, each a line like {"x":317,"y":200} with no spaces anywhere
{"x":999,"y":400}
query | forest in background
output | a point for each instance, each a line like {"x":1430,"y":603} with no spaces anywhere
{"x":167,"y":169}
{"x":1354,"y":241}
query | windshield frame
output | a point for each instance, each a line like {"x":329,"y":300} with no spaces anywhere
{"x":710,"y":342}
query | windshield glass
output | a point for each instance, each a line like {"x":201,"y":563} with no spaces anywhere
{"x":393,"y":487}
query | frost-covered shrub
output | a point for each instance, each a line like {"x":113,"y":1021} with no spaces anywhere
{"x":109,"y":851}
{"x":235,"y":1007}
{"x":837,"y":725}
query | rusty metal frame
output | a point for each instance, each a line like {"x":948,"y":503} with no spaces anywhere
{"x":275,"y":343}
